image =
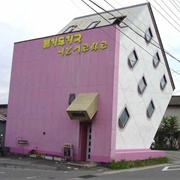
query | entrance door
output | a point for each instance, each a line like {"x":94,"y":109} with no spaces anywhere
{"x":88,"y":147}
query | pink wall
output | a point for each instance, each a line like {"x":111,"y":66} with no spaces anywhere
{"x":41,"y":82}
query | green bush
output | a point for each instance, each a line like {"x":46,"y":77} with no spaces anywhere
{"x":138,"y":163}
{"x":168,"y":134}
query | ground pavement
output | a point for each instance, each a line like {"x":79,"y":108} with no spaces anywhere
{"x":26,"y":162}
{"x":173,"y":156}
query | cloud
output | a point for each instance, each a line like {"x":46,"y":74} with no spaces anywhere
{"x":8,"y":35}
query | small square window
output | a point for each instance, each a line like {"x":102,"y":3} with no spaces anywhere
{"x":132,"y":60}
{"x":117,"y":20}
{"x":142,"y":85}
{"x":123,"y":118}
{"x":93,"y":24}
{"x":156,"y":60}
{"x":148,"y":35}
{"x":150,"y":109}
{"x":163,"y":82}
{"x":70,"y":29}
{"x":71,"y":98}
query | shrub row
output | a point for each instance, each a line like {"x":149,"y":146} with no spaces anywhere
{"x":138,"y":163}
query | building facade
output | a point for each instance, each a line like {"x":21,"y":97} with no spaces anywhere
{"x":173,"y":107}
{"x":100,"y":85}
{"x":3,"y":117}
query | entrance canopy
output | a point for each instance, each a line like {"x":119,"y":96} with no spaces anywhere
{"x":84,"y":106}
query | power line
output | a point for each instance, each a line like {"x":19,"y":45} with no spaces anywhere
{"x":80,"y":10}
{"x":114,"y":27}
{"x":121,"y":31}
{"x":135,"y":32}
{"x":165,"y":18}
{"x":143,"y":37}
{"x":174,"y":27}
{"x":174,"y":4}
{"x":118,"y":29}
{"x":152,"y":39}
{"x":166,"y":13}
{"x":128,"y":20}
{"x":170,"y":10}
{"x":157,"y":46}
{"x":178,"y":2}
{"x":125,"y":35}
{"x":101,"y":29}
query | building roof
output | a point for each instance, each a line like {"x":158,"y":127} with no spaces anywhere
{"x":175,"y":101}
{"x":2,"y":117}
{"x":107,"y":18}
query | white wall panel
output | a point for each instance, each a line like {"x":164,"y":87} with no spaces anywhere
{"x":140,"y":130}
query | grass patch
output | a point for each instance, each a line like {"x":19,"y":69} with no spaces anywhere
{"x":138,"y":163}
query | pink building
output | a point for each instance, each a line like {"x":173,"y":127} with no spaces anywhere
{"x":96,"y":88}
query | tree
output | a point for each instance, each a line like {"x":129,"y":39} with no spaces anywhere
{"x":168,"y":134}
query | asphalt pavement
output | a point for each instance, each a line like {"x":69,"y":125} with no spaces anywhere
{"x":173,"y":156}
{"x":26,"y":162}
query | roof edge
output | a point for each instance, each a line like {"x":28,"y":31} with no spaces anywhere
{"x":102,"y":12}
{"x":161,"y":44}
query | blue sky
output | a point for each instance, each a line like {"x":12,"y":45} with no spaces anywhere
{"x":29,"y":19}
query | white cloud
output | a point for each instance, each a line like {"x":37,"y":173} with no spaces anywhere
{"x":8,"y":35}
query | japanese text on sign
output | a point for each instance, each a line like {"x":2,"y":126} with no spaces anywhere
{"x":72,"y":43}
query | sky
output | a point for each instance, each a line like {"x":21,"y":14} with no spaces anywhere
{"x":29,"y":19}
